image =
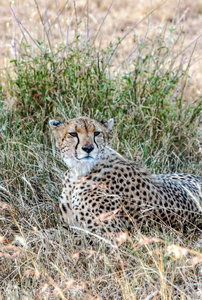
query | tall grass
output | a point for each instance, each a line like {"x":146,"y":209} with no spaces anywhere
{"x":154,"y":120}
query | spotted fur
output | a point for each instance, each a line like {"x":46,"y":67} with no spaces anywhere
{"x":102,"y":189}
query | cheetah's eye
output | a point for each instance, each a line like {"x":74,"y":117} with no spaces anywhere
{"x":96,"y":133}
{"x":74,"y":134}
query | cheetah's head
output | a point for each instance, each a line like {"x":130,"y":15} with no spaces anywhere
{"x":82,"y":141}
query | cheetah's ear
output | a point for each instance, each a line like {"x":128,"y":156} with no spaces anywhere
{"x":53,"y":124}
{"x":108,"y":124}
{"x":59,"y":130}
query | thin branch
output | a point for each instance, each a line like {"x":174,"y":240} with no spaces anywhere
{"x":95,"y":235}
{"x":103,"y":20}
{"x":22,"y":27}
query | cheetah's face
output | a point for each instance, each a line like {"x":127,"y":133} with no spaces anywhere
{"x":82,"y":141}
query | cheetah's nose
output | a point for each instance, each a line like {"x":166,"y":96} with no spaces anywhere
{"x":88,"y":148}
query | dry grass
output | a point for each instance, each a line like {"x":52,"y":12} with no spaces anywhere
{"x":39,"y":259}
{"x":51,"y":263}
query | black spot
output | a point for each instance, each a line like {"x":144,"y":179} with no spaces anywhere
{"x":64,"y":207}
{"x":132,"y":188}
{"x":144,"y":173}
{"x":107,"y":172}
{"x":137,"y":186}
{"x":145,"y":193}
{"x":125,"y":175}
{"x":68,"y":205}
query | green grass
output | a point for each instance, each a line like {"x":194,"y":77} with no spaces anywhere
{"x":154,"y":120}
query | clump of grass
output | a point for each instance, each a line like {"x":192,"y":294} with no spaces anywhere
{"x":154,"y":119}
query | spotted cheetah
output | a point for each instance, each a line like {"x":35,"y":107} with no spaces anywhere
{"x":102,"y":189}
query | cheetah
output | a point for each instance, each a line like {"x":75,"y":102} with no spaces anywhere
{"x":103,"y":190}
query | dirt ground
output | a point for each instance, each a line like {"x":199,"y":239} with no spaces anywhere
{"x":120,"y":15}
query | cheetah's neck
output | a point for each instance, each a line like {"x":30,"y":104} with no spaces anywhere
{"x":79,"y":169}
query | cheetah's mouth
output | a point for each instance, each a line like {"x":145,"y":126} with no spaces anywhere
{"x":87,"y":157}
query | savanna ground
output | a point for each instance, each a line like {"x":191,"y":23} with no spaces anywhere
{"x":103,"y":60}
